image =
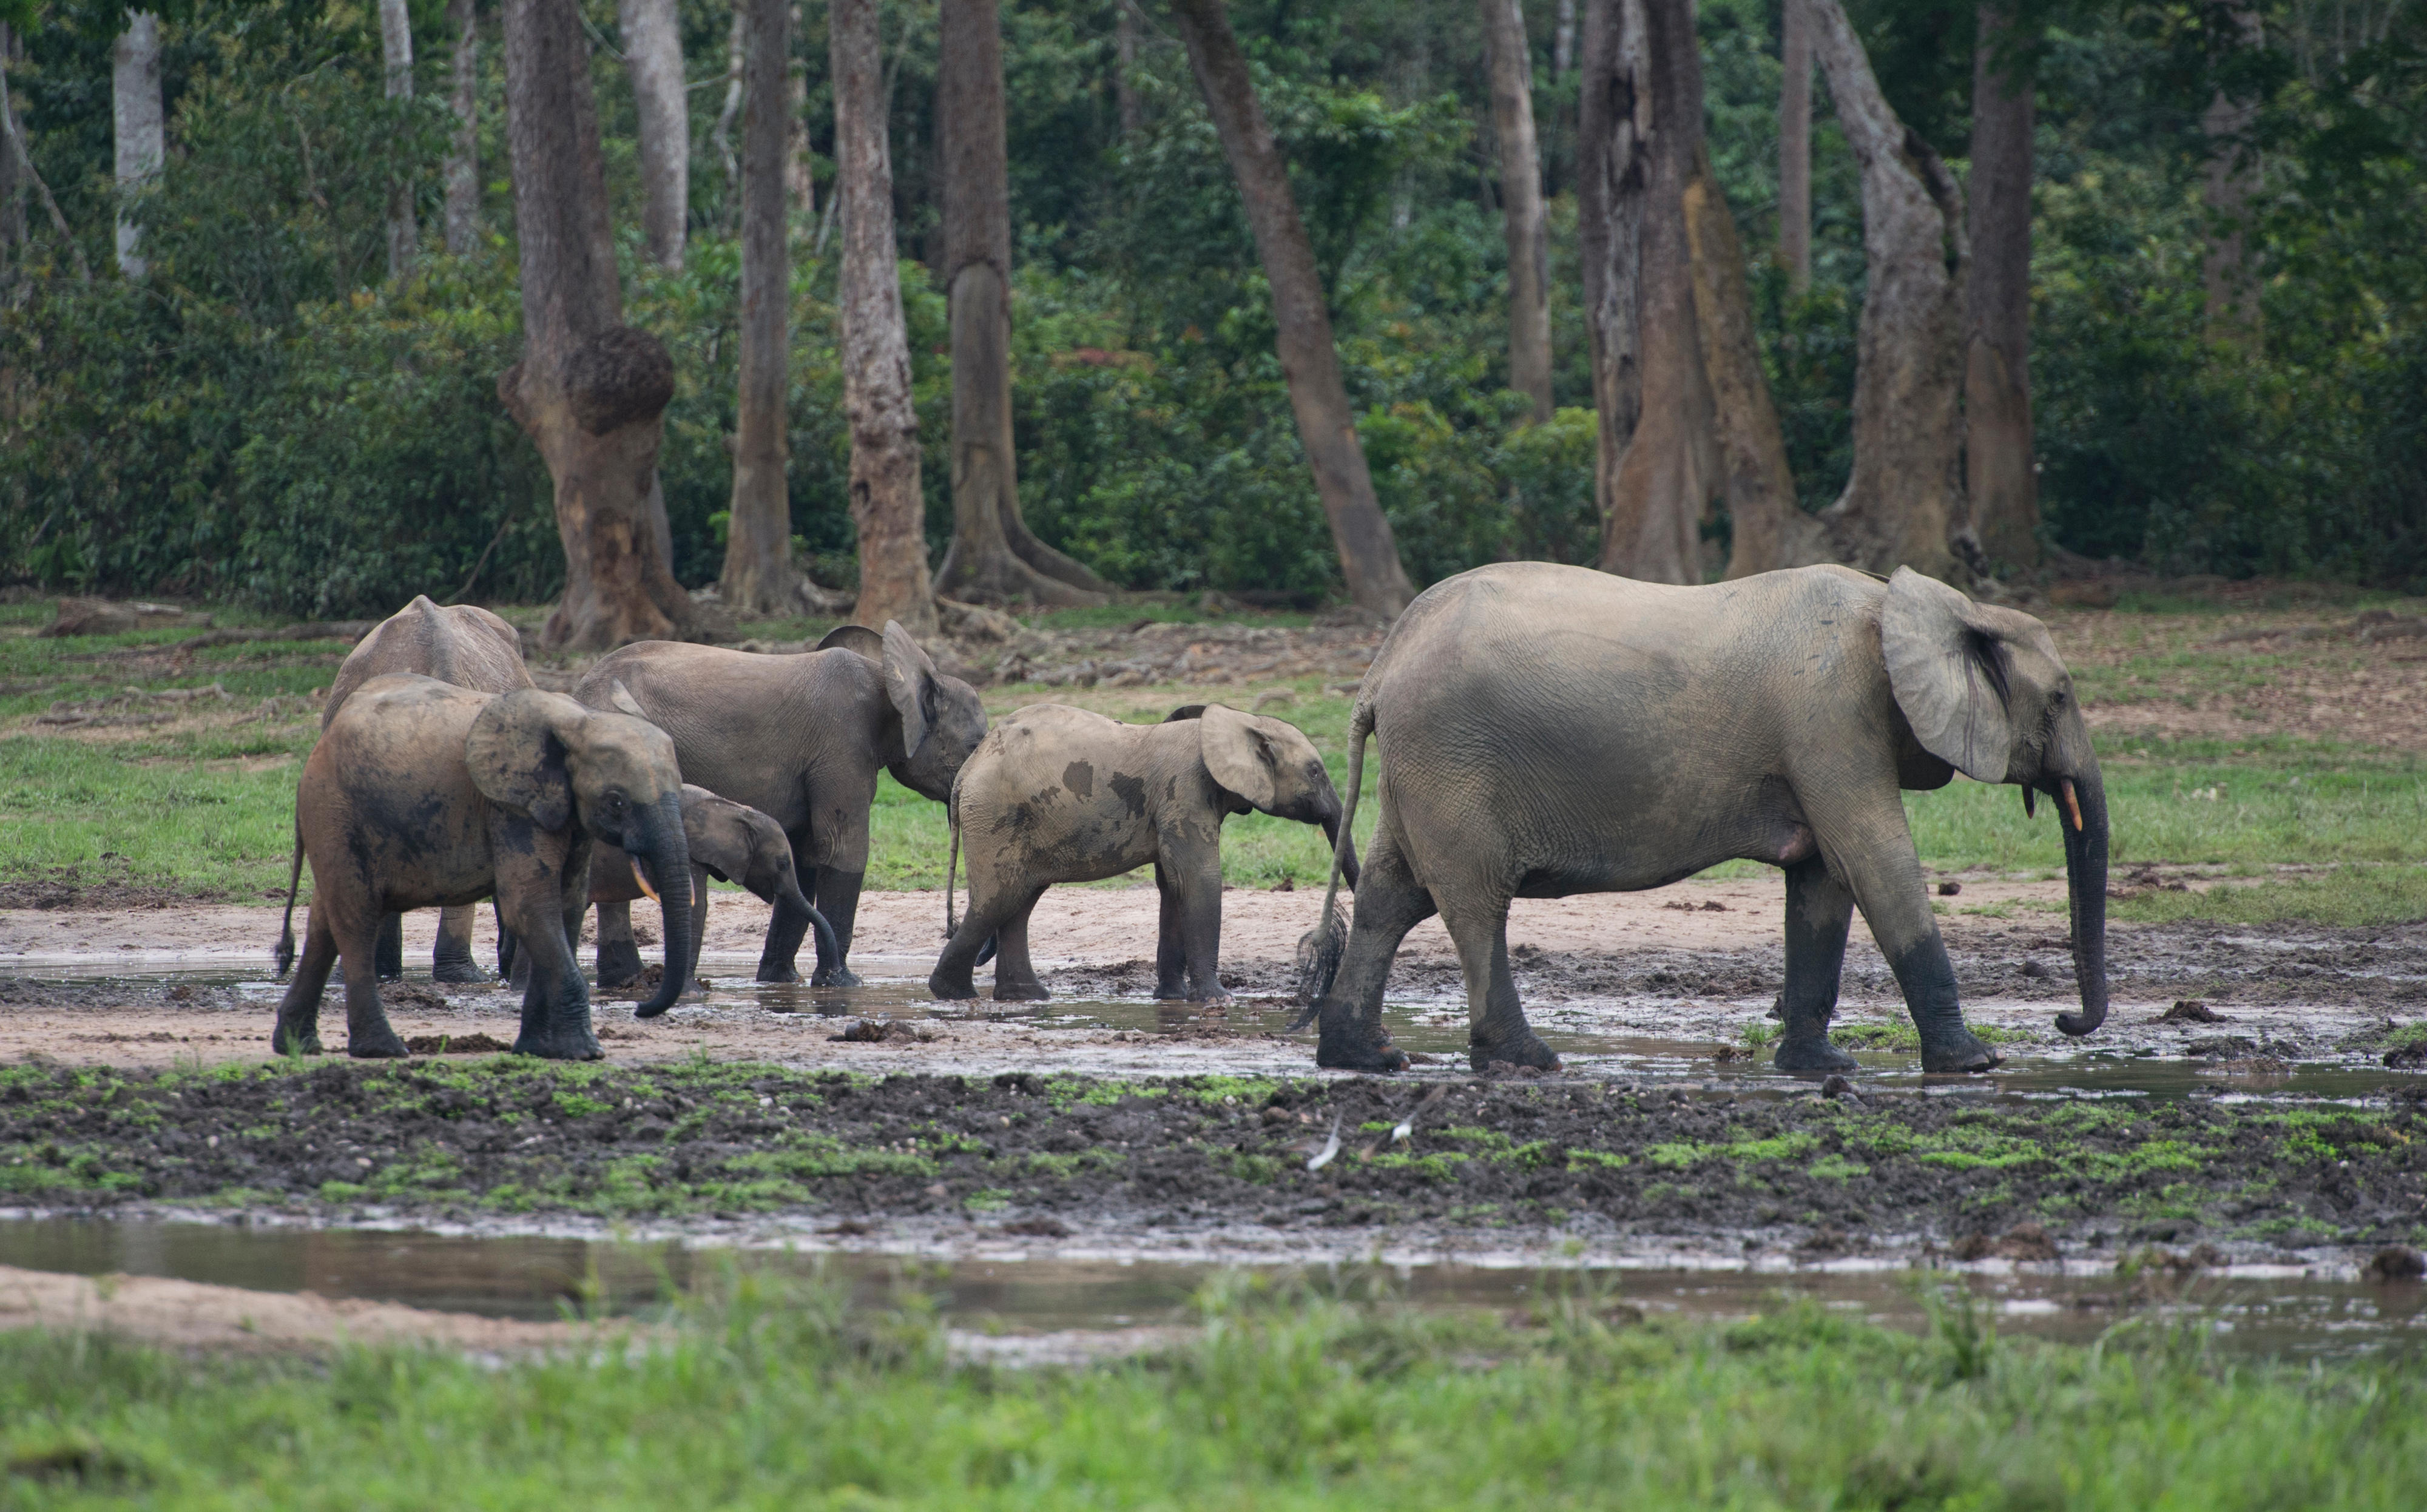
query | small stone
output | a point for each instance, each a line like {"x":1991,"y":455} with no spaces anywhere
{"x":2034,"y":969}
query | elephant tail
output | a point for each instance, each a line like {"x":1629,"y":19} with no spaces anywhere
{"x":287,"y":925}
{"x":1319,"y":948}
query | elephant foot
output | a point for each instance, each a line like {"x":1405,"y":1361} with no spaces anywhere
{"x":939,"y":986}
{"x":619,"y":964}
{"x":286,"y":1041}
{"x":560,"y":1044}
{"x":1959,"y":1053}
{"x":1351,"y":1050}
{"x":380,"y":1045}
{"x":1812,"y":1053}
{"x":778,"y":972}
{"x":1521,"y":1048}
{"x":456,"y":972}
{"x":1022,"y":992}
{"x":837,"y":976}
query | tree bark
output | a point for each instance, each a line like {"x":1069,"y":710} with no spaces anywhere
{"x":800,"y":181}
{"x":993,"y":557}
{"x":1661,"y":482}
{"x":1795,"y":145}
{"x":1125,"y":53}
{"x":1903,"y":505}
{"x":137,"y":125}
{"x":2232,"y":173}
{"x":886,"y":502}
{"x":12,"y":172}
{"x":462,"y":169}
{"x":759,"y":575}
{"x":721,"y":133}
{"x":590,"y":391}
{"x":653,"y":57}
{"x":1998,"y":472}
{"x":1768,"y":527}
{"x":1521,"y":198}
{"x":396,"y":59}
{"x":1614,"y":118}
{"x":1369,"y":555}
{"x":1563,"y":41}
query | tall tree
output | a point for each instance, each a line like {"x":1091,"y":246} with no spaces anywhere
{"x":886,"y":502}
{"x":12,"y":143}
{"x":800,"y":181}
{"x":1903,"y":504}
{"x":993,"y":556}
{"x":139,"y":125}
{"x":396,"y":58}
{"x":759,"y":575}
{"x":653,"y":55}
{"x":463,"y":170}
{"x":1657,"y":467}
{"x":12,"y":172}
{"x":2232,"y":174}
{"x":1563,"y":41}
{"x":590,"y":390}
{"x":1795,"y":143}
{"x":1125,"y":55}
{"x":1369,"y":555}
{"x":1511,"y":63}
{"x":1998,"y":473}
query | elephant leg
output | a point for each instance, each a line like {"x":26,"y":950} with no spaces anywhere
{"x":1389,"y":903}
{"x":954,"y":980}
{"x":1819,"y":912}
{"x":390,"y":952}
{"x":698,"y":916}
{"x":1192,"y":917}
{"x":451,"y":959}
{"x":1014,"y":975}
{"x":297,"y":1031}
{"x":505,"y":942}
{"x":1886,"y":875}
{"x":837,"y":897}
{"x":1170,"y":959}
{"x":1496,"y":1027}
{"x":619,"y":954}
{"x":369,"y":1035}
{"x":555,"y":1002}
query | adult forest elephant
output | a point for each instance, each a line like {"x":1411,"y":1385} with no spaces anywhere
{"x":801,"y":739}
{"x":464,"y":645}
{"x":421,"y":793}
{"x":1552,"y":730}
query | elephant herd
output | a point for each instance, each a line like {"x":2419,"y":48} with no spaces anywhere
{"x":1545,"y":731}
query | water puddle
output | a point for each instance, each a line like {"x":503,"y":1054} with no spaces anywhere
{"x":2271,"y":1311}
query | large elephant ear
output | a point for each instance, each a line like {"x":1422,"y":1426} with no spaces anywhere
{"x":1948,"y":667}
{"x":622,"y":698}
{"x":857,"y":637}
{"x":717,"y":830}
{"x":910,"y":682}
{"x":1240,"y":756}
{"x":516,"y":751}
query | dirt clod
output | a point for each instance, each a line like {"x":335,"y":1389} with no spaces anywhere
{"x":1951,"y":890}
{"x":472,"y":1044}
{"x":1038,"y":1229}
{"x":2395,"y":1262}
{"x":2191,"y":1011}
{"x":2024,"y":1242}
{"x":883,"y":1031}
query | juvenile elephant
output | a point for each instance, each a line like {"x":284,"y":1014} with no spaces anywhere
{"x":462,"y":644}
{"x":729,"y":841}
{"x":801,"y":739}
{"x":424,"y":794}
{"x":1550,"y":730}
{"x":1059,"y":795}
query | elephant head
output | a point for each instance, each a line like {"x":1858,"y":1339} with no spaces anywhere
{"x":943,"y":721}
{"x":737,"y":843}
{"x":1985,"y":691}
{"x":1273,"y":769}
{"x":546,"y":757}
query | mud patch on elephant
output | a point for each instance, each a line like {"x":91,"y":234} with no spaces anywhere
{"x":1079,"y":778}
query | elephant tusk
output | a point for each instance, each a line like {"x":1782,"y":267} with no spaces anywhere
{"x":642,"y":877}
{"x":2030,"y":802}
{"x":2072,"y":805}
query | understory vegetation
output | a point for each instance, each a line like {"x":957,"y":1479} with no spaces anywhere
{"x":769,"y":1394}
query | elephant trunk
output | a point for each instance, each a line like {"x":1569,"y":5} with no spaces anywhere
{"x":664,"y":851}
{"x":788,"y":890}
{"x":2081,"y":814}
{"x":1348,"y":855}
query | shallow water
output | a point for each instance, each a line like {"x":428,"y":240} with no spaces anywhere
{"x":2273,"y":1312}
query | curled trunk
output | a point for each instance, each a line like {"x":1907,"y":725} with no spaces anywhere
{"x":2085,"y":865}
{"x":664,"y":852}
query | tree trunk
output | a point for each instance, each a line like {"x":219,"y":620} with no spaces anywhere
{"x":993,"y":559}
{"x":590,"y":390}
{"x":2232,"y":174}
{"x":1563,"y":41}
{"x":1903,"y":505}
{"x":800,"y":179}
{"x":137,"y":125}
{"x":396,"y":59}
{"x":1795,"y":145}
{"x":1369,"y":556}
{"x":653,"y":55}
{"x":13,"y":130}
{"x":1614,"y":118}
{"x":886,"y":502}
{"x":1661,"y":482}
{"x":1998,"y":473}
{"x":759,"y":576}
{"x":12,"y":172}
{"x":721,"y":133}
{"x":1125,"y":53}
{"x":1768,"y":527}
{"x":1521,"y":200}
{"x":463,"y":148}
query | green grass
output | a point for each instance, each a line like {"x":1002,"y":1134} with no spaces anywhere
{"x":782,"y":1397}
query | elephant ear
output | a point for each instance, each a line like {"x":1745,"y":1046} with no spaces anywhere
{"x":517,"y":754}
{"x":622,"y":698}
{"x":857,"y":637}
{"x":1240,"y":756}
{"x":1946,"y":665}
{"x":910,"y":682}
{"x":717,"y":831}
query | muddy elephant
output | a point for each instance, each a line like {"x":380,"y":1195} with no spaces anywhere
{"x":1060,"y":794}
{"x":462,"y":644}
{"x":423,"y":794}
{"x":729,"y":841}
{"x":800,"y":737}
{"x":1548,"y":730}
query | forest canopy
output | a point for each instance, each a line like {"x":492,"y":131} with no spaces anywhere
{"x":272,"y":413}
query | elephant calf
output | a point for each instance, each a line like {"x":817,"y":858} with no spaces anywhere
{"x":423,"y":794}
{"x":1059,"y":795}
{"x":729,"y":841}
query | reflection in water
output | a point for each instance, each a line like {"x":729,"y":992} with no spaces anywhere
{"x":527,"y":1277}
